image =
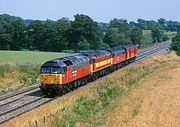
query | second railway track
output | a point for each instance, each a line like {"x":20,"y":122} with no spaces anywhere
{"x":17,"y":103}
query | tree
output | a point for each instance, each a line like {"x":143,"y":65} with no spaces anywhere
{"x":121,"y":24}
{"x":84,"y":44}
{"x":175,"y":45}
{"x":103,"y":27}
{"x":37,"y":35}
{"x":114,"y":37}
{"x":142,"y":24}
{"x":135,"y":35}
{"x":151,"y":24}
{"x":132,"y":24}
{"x":83,"y":29}
{"x":117,"y":33}
{"x":5,"y":35}
{"x":57,"y":35}
{"x":162,"y":22}
{"x":18,"y":36}
{"x":157,"y":34}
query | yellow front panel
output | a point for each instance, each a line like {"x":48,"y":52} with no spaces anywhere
{"x":111,"y":60}
{"x":60,"y":79}
{"x":91,"y":68}
{"x":51,"y":78}
{"x":102,"y":63}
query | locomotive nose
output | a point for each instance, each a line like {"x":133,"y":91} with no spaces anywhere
{"x":50,"y":79}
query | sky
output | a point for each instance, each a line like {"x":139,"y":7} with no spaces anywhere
{"x":98,"y":10}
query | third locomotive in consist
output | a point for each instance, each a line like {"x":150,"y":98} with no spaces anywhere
{"x":63,"y":74}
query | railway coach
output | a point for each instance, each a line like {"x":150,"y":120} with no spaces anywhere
{"x":64,"y":74}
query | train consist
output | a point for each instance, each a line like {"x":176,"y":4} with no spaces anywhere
{"x":64,"y":74}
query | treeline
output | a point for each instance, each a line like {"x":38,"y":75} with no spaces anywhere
{"x":81,"y":34}
{"x":147,"y":25}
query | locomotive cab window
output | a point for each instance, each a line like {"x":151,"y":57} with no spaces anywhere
{"x":122,"y":51}
{"x":45,"y":70}
{"x":55,"y":70}
{"x":64,"y":69}
{"x":50,"y":70}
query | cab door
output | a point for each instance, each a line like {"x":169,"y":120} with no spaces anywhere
{"x":64,"y":75}
{"x":69,"y":74}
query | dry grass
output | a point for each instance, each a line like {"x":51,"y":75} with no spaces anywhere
{"x":9,"y":81}
{"x":14,"y":77}
{"x":121,"y":108}
{"x":155,"y":103}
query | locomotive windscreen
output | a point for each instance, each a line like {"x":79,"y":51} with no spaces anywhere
{"x":51,"y":70}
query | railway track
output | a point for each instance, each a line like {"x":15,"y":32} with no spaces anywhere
{"x":148,"y":48}
{"x":17,"y":103}
{"x":149,"y":52}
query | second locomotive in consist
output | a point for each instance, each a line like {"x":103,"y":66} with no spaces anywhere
{"x":63,"y":74}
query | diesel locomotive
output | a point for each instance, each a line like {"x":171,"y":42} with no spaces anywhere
{"x":64,"y":74}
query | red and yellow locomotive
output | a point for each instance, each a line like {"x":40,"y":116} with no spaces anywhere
{"x":70,"y":72}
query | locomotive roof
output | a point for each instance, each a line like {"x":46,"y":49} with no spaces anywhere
{"x":84,"y":57}
{"x":57,"y":62}
{"x":129,"y":46}
{"x":78,"y":58}
{"x":97,"y":53}
{"x":61,"y":62}
{"x":114,"y":49}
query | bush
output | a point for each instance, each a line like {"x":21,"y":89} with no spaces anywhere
{"x":175,"y":45}
{"x":165,"y":38}
{"x":178,"y":53}
{"x":30,"y":74}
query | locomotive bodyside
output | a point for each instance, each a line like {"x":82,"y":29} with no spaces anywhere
{"x":131,"y":51}
{"x":118,"y":55}
{"x":56,"y":73}
{"x":59,"y":73}
{"x":99,"y":60}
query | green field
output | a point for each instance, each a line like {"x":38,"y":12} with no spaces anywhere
{"x":28,"y":57}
